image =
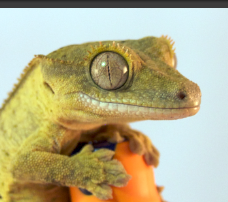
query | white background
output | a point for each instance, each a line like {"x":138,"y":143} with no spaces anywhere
{"x":194,"y":150}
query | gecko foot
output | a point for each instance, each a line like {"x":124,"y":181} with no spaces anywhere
{"x":138,"y":142}
{"x":98,"y":171}
{"x":160,"y":189}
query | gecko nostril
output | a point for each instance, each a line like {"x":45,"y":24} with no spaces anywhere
{"x":181,"y":95}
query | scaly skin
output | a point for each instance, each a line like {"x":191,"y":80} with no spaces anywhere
{"x":62,"y":99}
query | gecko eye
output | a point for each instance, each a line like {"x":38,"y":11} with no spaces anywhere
{"x":109,"y":70}
{"x":174,"y":61}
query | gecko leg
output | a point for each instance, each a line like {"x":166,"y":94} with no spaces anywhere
{"x":138,"y":142}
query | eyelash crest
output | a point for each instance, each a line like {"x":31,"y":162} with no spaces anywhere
{"x":114,"y":47}
{"x":170,"y":43}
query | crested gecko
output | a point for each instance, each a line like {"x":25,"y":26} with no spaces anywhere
{"x":83,"y":93}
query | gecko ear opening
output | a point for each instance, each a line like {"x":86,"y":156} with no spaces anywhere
{"x":47,"y":86}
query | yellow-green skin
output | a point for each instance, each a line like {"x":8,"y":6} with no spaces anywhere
{"x":56,"y":104}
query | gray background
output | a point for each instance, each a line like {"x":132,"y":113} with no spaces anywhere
{"x":193,"y":164}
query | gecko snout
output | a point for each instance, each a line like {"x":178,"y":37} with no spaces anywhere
{"x":190,"y":95}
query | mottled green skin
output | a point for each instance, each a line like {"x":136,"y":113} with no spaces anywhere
{"x":45,"y":117}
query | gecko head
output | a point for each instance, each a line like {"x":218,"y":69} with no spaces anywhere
{"x":116,"y":82}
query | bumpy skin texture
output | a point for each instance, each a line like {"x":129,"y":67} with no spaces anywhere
{"x":57,"y":104}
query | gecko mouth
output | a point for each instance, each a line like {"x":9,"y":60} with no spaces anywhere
{"x":134,"y":111}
